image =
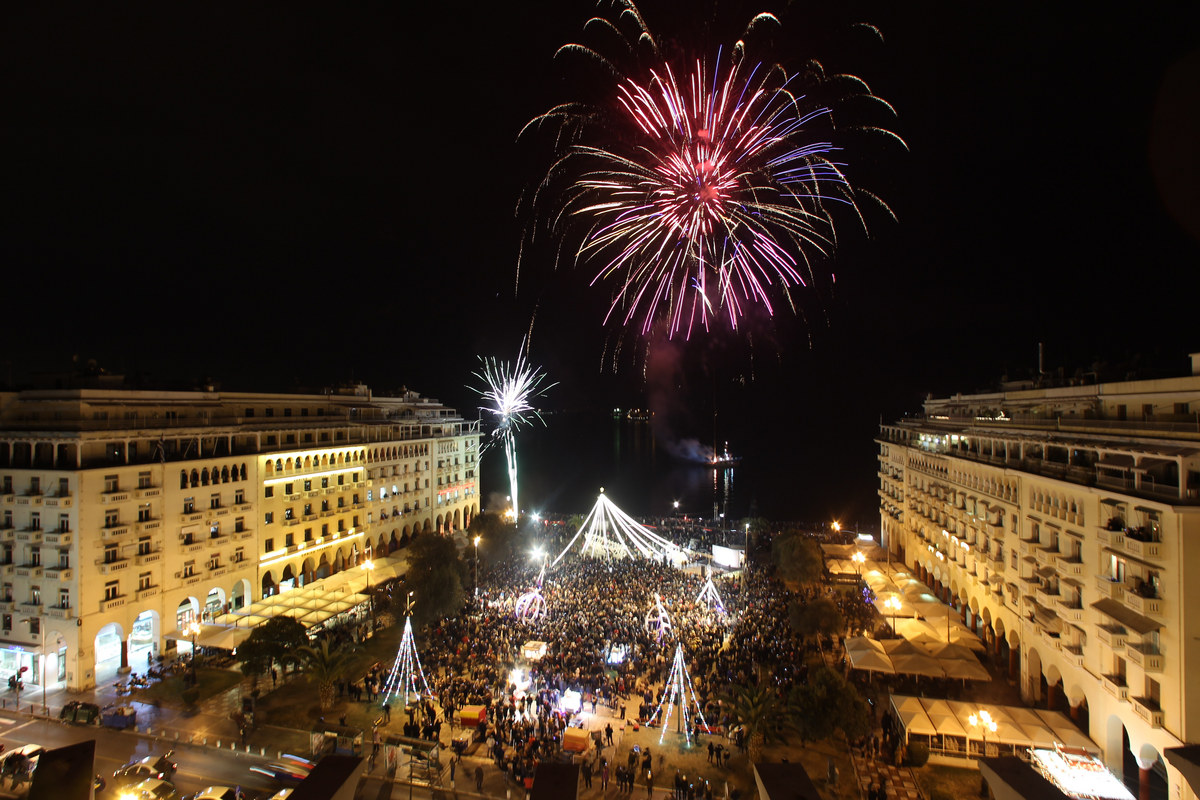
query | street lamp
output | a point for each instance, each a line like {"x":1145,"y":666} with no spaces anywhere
{"x":477,"y":538}
{"x":369,"y":565}
{"x":985,"y":723}
{"x":892,"y":603}
{"x":859,"y":559}
{"x":192,"y":629}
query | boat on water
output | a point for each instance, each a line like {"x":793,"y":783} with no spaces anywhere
{"x":724,"y":458}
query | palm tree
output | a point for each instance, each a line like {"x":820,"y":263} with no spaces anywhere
{"x":764,"y":714}
{"x":325,"y":666}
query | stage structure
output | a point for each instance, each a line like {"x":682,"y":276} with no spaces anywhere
{"x":531,"y":606}
{"x":402,"y":681}
{"x":608,"y":532}
{"x":709,"y":597}
{"x":658,"y":621}
{"x":678,"y":689}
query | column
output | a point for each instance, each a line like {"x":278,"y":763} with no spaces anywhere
{"x":124,"y":670}
{"x":1012,"y":662}
{"x":1144,"y":769}
{"x":1051,"y":695}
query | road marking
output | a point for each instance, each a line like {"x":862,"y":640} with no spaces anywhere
{"x":6,"y":721}
{"x":25,"y":724}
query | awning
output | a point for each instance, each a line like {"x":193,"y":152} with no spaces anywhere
{"x":1115,"y":609}
{"x":1115,"y":461}
{"x":219,"y":636}
{"x":1186,"y":759}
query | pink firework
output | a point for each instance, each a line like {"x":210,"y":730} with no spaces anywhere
{"x":700,"y":195}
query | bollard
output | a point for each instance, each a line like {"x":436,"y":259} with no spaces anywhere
{"x":218,"y":743}
{"x":247,"y":749}
{"x":262,"y":751}
{"x":204,"y":741}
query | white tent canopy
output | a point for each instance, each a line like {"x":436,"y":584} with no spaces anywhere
{"x":1015,"y":726}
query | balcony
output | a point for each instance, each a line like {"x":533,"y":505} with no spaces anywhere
{"x":60,"y":612}
{"x":63,"y":501}
{"x":114,"y":532}
{"x":31,"y":535}
{"x":146,"y":525}
{"x":1074,"y":654}
{"x":1046,"y":557}
{"x":29,"y":571}
{"x":1149,"y":711}
{"x":1146,"y":656}
{"x":1114,"y":538}
{"x":114,"y":497}
{"x":1069,"y":610}
{"x":287,"y":523}
{"x":1112,"y":635}
{"x":242,"y":507}
{"x":57,"y":538}
{"x":1069,"y":565}
{"x":1046,"y":598}
{"x":1146,"y":606}
{"x":1142,"y":549}
{"x":1027,"y":547}
{"x":7,"y":534}
{"x":191,"y":516}
{"x":111,"y":603}
{"x":149,"y":591}
{"x":1116,"y":686}
{"x":195,"y":546}
{"x":1051,"y":640}
{"x":243,"y":535}
{"x":110,"y":567}
{"x":147,"y":491}
{"x":142,"y":559}
{"x":1109,"y":587}
{"x":59,"y":573}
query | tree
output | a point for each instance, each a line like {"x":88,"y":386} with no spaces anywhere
{"x":324,"y":667}
{"x":798,"y":558}
{"x":764,"y":714}
{"x":277,"y":639}
{"x":498,"y":537}
{"x":827,"y":704}
{"x":435,"y":577}
{"x":820,"y":617}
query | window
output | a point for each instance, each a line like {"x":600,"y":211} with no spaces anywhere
{"x":35,"y":624}
{"x":214,"y":531}
{"x":189,"y":569}
{"x":289,"y":488}
{"x":370,"y":495}
{"x":64,"y":488}
{"x":144,"y":513}
{"x":112,"y":518}
{"x":308,"y":534}
{"x":189,"y":505}
{"x":110,"y":554}
{"x":8,"y":593}
{"x":35,"y":556}
{"x":8,"y":484}
{"x":270,"y":412}
{"x":238,"y":555}
{"x":341,"y":480}
{"x":35,"y":485}
{"x":144,"y":581}
{"x":8,"y":519}
{"x":64,"y":559}
{"x":354,"y":520}
{"x":288,"y":513}
{"x":269,"y":517}
{"x":110,"y":483}
{"x":35,"y":521}
{"x":143,"y":480}
{"x":325,"y":482}
{"x":341,"y":525}
{"x":307,"y":485}
{"x":308,"y":509}
{"x":64,"y":523}
{"x":112,"y":590}
{"x":239,"y":497}
{"x":289,"y":539}
{"x":214,"y":501}
{"x":7,"y":622}
{"x":239,"y":525}
{"x":269,"y":545}
{"x":8,"y":554}
{"x":354,"y":477}
{"x":64,"y":598}
{"x":143,"y":546}
{"x":269,"y":491}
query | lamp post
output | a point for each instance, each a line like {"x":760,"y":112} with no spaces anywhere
{"x":193,"y":628}
{"x":369,"y":565}
{"x":476,"y":592}
{"x":859,"y":559}
{"x":892,"y":603}
{"x":985,"y":723}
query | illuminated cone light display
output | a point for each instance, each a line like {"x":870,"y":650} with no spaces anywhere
{"x":678,"y":689}
{"x":402,"y":681}
{"x":608,"y":532}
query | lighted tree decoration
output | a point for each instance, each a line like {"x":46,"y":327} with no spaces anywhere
{"x":678,"y":689}
{"x":402,"y":680}
{"x":531,"y":606}
{"x":710,"y":597}
{"x":658,"y":621}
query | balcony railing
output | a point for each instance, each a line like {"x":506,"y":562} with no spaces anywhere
{"x":1146,"y":656}
{"x":1149,"y":711}
{"x":1112,"y":635}
{"x":1116,"y":686}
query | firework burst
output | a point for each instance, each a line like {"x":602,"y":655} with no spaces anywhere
{"x":701,"y":192}
{"x":508,"y":392}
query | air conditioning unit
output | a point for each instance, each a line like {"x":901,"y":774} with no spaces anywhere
{"x":179,"y":574}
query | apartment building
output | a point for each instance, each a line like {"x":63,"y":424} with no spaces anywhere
{"x":127,"y":515}
{"x":1062,"y":523}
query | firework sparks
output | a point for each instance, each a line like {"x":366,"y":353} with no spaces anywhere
{"x":701,"y":193}
{"x":509,"y":391}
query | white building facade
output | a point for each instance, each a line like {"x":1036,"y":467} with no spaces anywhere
{"x":1063,"y":523}
{"x":127,"y":515}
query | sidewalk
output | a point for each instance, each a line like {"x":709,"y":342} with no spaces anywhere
{"x":901,"y":783}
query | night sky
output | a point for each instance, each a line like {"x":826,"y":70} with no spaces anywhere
{"x":276,"y":198}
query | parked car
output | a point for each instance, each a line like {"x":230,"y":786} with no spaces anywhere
{"x":289,"y":769}
{"x":218,"y":793}
{"x":151,"y":789}
{"x":161,"y":767}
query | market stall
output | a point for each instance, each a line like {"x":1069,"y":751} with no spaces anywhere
{"x":470,"y":716}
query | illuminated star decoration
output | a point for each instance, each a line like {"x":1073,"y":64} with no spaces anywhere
{"x":658,"y":621}
{"x":531,"y":606}
{"x":509,"y":389}
{"x":402,"y":681}
{"x":677,"y":690}
{"x":709,"y":189}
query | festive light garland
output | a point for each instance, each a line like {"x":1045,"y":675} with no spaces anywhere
{"x":531,"y":606}
{"x":710,"y":597}
{"x":608,"y":532}
{"x":658,"y":621}
{"x":679,"y":683}
{"x":403,"y":677}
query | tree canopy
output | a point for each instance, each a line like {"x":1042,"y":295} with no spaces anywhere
{"x":816,"y":618}
{"x":435,"y":577}
{"x":498,"y":537}
{"x":798,"y":557}
{"x":827,"y":704}
{"x":277,"y":639}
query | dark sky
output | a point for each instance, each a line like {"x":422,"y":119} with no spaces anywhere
{"x":285,"y":197}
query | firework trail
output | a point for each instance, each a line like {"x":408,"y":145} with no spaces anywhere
{"x":701,"y":190}
{"x":509,"y":388}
